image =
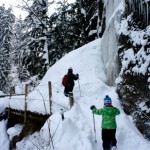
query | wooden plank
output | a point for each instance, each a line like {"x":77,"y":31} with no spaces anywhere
{"x":1,"y":96}
{"x":29,"y":115}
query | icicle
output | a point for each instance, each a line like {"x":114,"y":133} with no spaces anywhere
{"x":147,"y":14}
{"x":139,"y":7}
{"x":141,"y":2}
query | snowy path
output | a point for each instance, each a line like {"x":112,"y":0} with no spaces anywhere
{"x":76,"y":132}
{"x":128,"y":137}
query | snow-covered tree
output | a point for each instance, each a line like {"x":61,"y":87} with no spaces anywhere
{"x":6,"y":22}
{"x":64,"y":30}
{"x":20,"y":49}
{"x":92,"y":19}
{"x":36,"y":60}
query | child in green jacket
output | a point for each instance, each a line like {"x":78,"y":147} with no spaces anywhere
{"x":108,"y":125}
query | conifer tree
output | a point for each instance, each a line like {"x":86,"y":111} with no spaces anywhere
{"x":37,"y":60}
{"x":6,"y":22}
{"x":92,"y":19}
{"x":20,"y":49}
{"x":64,"y":30}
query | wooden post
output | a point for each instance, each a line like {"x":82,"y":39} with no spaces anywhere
{"x":62,"y":114}
{"x":13,"y":89}
{"x":9,"y":102}
{"x":50,"y":107}
{"x":71,"y":99}
{"x":50,"y":96}
{"x":25,"y":103}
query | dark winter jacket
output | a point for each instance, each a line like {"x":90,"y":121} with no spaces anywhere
{"x":108,"y":116}
{"x":71,"y":78}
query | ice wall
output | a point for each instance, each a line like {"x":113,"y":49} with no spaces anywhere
{"x":114,"y":11}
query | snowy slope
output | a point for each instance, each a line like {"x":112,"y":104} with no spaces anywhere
{"x":76,"y":132}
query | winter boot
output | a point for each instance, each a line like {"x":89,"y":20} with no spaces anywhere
{"x":114,"y":148}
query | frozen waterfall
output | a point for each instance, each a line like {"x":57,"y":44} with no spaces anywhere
{"x":114,"y":11}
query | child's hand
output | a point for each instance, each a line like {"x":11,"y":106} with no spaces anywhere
{"x":92,"y":107}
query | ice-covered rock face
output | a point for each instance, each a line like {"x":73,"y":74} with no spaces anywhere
{"x":133,"y":52}
{"x":127,"y":39}
{"x":114,"y":11}
{"x":111,"y":9}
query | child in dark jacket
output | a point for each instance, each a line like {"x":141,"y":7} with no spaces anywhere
{"x":108,"y":125}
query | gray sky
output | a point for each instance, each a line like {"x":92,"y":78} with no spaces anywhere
{"x":13,"y":3}
{"x":17,"y":12}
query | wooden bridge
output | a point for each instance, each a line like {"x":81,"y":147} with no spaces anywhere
{"x":31,"y":121}
{"x":34,"y":122}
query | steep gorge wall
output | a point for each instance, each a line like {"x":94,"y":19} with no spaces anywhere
{"x":126,"y":56}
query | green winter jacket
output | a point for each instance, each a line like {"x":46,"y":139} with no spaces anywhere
{"x":108,"y":116}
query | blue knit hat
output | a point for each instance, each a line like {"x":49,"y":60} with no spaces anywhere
{"x":107,"y":100}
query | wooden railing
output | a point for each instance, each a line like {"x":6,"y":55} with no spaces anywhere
{"x":25,"y":111}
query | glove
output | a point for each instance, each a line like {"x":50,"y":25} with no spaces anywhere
{"x":77,"y":75}
{"x":92,"y":107}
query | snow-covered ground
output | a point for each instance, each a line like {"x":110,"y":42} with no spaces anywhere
{"x":76,"y":132}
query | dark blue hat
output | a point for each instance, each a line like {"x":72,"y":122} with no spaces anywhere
{"x":107,"y":100}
